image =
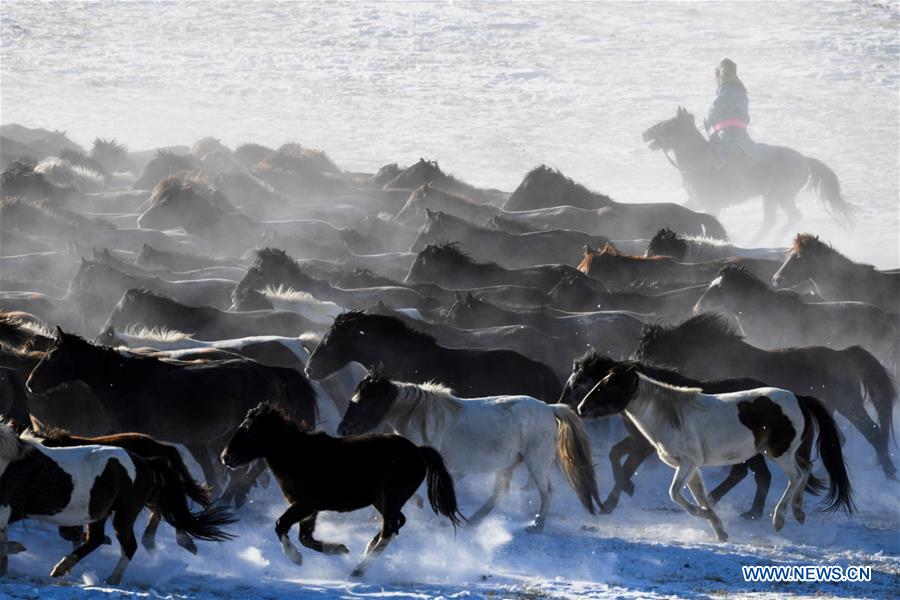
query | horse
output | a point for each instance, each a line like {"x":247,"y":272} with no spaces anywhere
{"x":153,"y":258}
{"x":837,"y":277}
{"x":164,"y":164}
{"x":47,"y":219}
{"x":150,"y":309}
{"x":412,"y":213}
{"x":708,"y":346}
{"x":690,"y":429}
{"x":273,"y":267}
{"x":617,"y":332}
{"x":778,"y":181}
{"x":143,"y":446}
{"x":448,"y":266}
{"x":528,"y":341}
{"x":410,"y":355}
{"x":511,"y":250}
{"x":427,"y":172}
{"x":482,"y":435}
{"x":619,"y":271}
{"x":555,"y":201}
{"x":194,"y":404}
{"x":777,"y":318}
{"x":318,"y":472}
{"x":576,"y":295}
{"x":85,"y":485}
{"x":692,"y":249}
{"x":594,"y":366}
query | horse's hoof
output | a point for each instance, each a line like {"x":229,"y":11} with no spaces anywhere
{"x":240,"y":500}
{"x":63,"y":567}
{"x":800,"y":516}
{"x":534,"y":528}
{"x":111,"y":580}
{"x":778,"y":523}
{"x":357,"y":573}
{"x":751,"y":515}
{"x":188,"y":545}
{"x":335,"y":549}
{"x":149,"y":543}
{"x":628,"y":488}
{"x":721,"y":536}
{"x":13,"y":548}
{"x":107,"y":541}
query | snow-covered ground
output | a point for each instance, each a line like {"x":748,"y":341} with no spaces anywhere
{"x":490,"y":91}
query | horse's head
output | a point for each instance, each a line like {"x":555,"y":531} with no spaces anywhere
{"x":369,"y":405}
{"x":347,"y":332}
{"x":109,"y":337}
{"x":63,"y":362}
{"x":665,"y":134}
{"x":667,"y":243}
{"x":435,"y":258}
{"x":800,"y":262}
{"x":424,"y":171}
{"x":586,"y":371}
{"x":731,"y":288}
{"x":611,"y":394}
{"x":467,"y":311}
{"x":254,"y":435}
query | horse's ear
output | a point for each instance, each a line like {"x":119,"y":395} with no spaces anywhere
{"x":380,"y":305}
{"x":59,"y":333}
{"x":456,"y":296}
{"x":586,"y":250}
{"x":428,"y":212}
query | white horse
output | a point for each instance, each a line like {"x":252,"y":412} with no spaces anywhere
{"x":690,"y":429}
{"x":482,"y":435}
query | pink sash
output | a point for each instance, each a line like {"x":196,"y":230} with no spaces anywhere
{"x":730,"y":123}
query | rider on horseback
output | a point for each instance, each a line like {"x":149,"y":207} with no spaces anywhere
{"x":728,"y":118}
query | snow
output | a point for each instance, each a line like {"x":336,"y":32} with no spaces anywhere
{"x":490,"y":91}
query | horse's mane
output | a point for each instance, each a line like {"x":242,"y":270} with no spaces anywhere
{"x":543,"y":172}
{"x":697,"y":329}
{"x":279,"y":258}
{"x":108,"y":146}
{"x":12,"y":446}
{"x":390,"y":326}
{"x":283,"y":292}
{"x":194,"y":187}
{"x":156,"y":334}
{"x":594,"y":360}
{"x":807,"y":241}
{"x":670,"y":399}
{"x":165,"y":303}
{"x":448,"y":250}
{"x":741,"y":278}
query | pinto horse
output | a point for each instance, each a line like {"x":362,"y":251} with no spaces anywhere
{"x":482,"y":435}
{"x":86,"y":485}
{"x":777,"y":181}
{"x":690,"y":429}
{"x":318,"y":472}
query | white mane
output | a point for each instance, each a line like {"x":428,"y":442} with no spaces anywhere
{"x":156,"y":334}
{"x":701,"y":248}
{"x":425,"y":407}
{"x":288,"y":293}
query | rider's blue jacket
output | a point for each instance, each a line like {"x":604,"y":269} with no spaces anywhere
{"x":731,"y":103}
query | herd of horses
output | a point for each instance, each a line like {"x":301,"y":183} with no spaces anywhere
{"x":360,"y":334}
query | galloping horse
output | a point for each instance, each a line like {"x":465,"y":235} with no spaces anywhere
{"x":777,"y":181}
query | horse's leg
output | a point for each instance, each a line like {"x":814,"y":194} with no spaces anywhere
{"x":788,"y":464}
{"x":201,"y":455}
{"x":621,"y":448}
{"x":735,"y":476}
{"x":539,"y":469}
{"x":148,"y":539}
{"x":874,"y":435}
{"x":501,"y":487}
{"x":805,"y":467}
{"x":392,"y":522}
{"x":770,"y":204}
{"x":241,"y":482}
{"x":123,"y":525}
{"x":307,"y":527}
{"x":293,"y":514}
{"x":92,"y":541}
{"x":789,"y":205}
{"x":73,"y":534}
{"x":6,"y":548}
{"x":683,"y":474}
{"x":763,"y":479}
{"x":698,"y":491}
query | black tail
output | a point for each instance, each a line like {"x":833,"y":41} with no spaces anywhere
{"x":441,"y":494}
{"x":840,"y":492}
{"x":193,"y":489}
{"x":878,"y":384}
{"x":828,"y":188}
{"x":171,"y":502}
{"x":711,"y":227}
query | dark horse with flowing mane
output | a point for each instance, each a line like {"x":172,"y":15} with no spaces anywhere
{"x":708,"y":346}
{"x":413,"y":356}
{"x":180,"y":403}
{"x":777,"y":181}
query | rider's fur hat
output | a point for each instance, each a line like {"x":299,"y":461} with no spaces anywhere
{"x":726,"y":70}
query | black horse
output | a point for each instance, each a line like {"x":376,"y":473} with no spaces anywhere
{"x":593,"y":366}
{"x":409,"y":355}
{"x":181,"y":403}
{"x":448,"y":266}
{"x":318,"y":472}
{"x":708,"y":346}
{"x":777,"y":181}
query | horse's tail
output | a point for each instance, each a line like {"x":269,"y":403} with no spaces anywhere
{"x":712,"y":227}
{"x":878,"y":384}
{"x":171,"y":502}
{"x":573,"y":449}
{"x":828,"y":188}
{"x":441,"y":493}
{"x":193,"y":489}
{"x":840,"y":492}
